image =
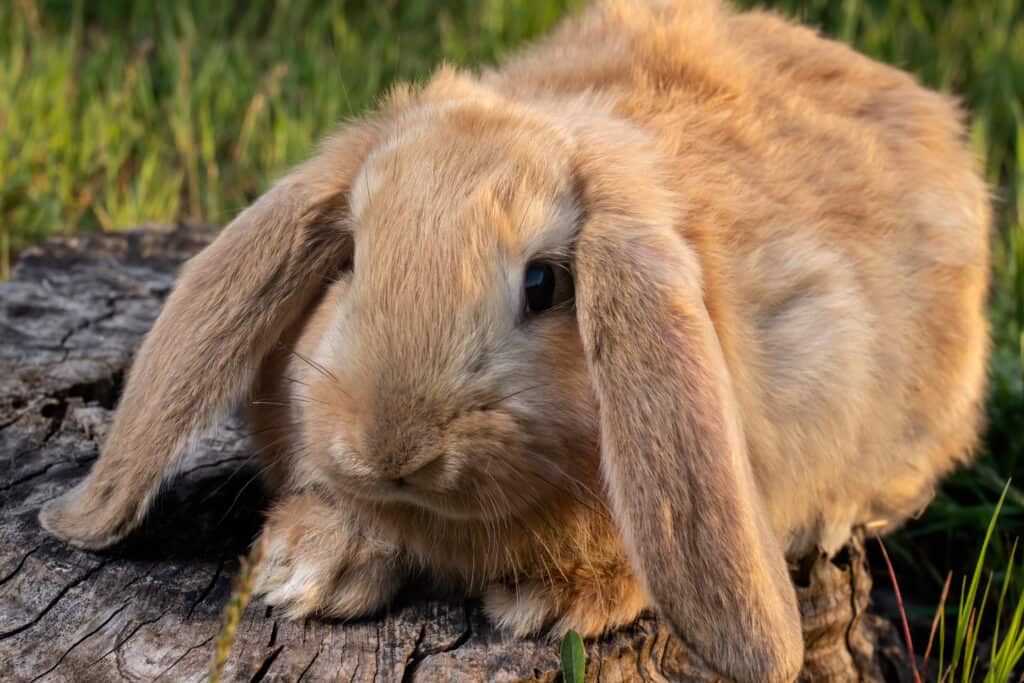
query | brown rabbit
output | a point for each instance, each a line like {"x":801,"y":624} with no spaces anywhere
{"x":670,"y":297}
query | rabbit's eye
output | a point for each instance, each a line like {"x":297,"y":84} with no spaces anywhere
{"x":545,"y":286}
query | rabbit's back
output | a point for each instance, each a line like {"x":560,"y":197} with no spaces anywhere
{"x":843,"y":229}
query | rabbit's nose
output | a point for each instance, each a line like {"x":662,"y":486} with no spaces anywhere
{"x":418,"y":472}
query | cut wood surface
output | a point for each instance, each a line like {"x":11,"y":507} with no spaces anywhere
{"x":70,"y":320}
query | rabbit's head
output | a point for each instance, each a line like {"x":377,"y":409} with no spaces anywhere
{"x":447,"y":370}
{"x":513,"y":292}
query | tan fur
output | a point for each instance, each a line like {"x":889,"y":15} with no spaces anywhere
{"x":780,"y":256}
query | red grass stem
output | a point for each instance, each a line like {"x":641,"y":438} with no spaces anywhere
{"x":903,"y":612}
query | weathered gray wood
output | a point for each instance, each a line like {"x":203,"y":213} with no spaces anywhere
{"x":69,"y":322}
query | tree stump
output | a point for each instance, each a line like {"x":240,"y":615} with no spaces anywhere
{"x":70,"y":320}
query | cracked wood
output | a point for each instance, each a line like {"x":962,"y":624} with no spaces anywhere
{"x":70,"y":320}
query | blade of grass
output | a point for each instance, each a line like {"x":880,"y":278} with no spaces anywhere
{"x":972,"y":642}
{"x":942,"y":641}
{"x":574,"y":658}
{"x":999,"y":605}
{"x":1009,"y":652}
{"x":967,"y":608}
{"x":935,"y":622}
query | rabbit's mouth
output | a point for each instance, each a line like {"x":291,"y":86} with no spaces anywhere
{"x":431,"y":489}
{"x":461,"y":499}
{"x":403,"y":498}
{"x":403,"y":492}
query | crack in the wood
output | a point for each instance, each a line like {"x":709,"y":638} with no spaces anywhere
{"x":355,"y":671}
{"x":273,"y":635}
{"x":56,"y":421}
{"x":309,"y":665}
{"x":125,"y":676}
{"x":186,"y":653}
{"x":135,"y":580}
{"x":206,"y":591}
{"x":121,"y":642}
{"x":53,"y":603}
{"x":856,"y":611}
{"x":33,"y":474}
{"x":103,"y":391}
{"x":110,"y":303}
{"x":376,"y":655}
{"x":5,"y":425}
{"x":415,"y":658}
{"x":17,"y":568}
{"x":265,"y":665}
{"x":81,"y":640}
{"x":412,"y":660}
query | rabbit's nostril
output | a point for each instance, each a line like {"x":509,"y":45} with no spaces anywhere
{"x":418,"y":472}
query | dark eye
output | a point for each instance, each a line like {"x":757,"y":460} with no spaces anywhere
{"x":545,"y":286}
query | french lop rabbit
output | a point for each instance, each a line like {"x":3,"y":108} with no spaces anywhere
{"x":672,"y":296}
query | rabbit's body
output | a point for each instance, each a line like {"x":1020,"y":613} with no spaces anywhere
{"x":843,"y":230}
{"x":780,"y":254}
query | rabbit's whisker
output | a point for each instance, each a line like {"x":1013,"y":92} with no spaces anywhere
{"x":272,"y":428}
{"x":513,"y":394}
{"x":315,"y":365}
{"x":242,"y":490}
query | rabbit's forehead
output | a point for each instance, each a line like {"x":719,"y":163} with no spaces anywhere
{"x":471,"y":197}
{"x":444,"y":226}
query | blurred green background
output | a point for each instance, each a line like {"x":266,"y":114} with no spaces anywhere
{"x":115,"y":113}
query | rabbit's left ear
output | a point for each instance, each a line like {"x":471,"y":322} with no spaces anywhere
{"x":673,"y":452}
{"x":229,"y":307}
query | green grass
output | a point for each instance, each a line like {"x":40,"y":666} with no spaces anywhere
{"x":115,"y":113}
{"x":573,"y":658}
{"x":1006,"y":644}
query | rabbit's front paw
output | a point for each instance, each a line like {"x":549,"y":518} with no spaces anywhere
{"x":316,"y":562}
{"x":588,"y":601}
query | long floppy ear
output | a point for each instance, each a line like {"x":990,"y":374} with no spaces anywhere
{"x":673,"y":450}
{"x":230,"y":305}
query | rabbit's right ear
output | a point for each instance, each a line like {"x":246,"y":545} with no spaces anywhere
{"x":673,"y":452}
{"x":230,"y":305}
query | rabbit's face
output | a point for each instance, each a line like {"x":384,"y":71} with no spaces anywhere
{"x":449,"y":373}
